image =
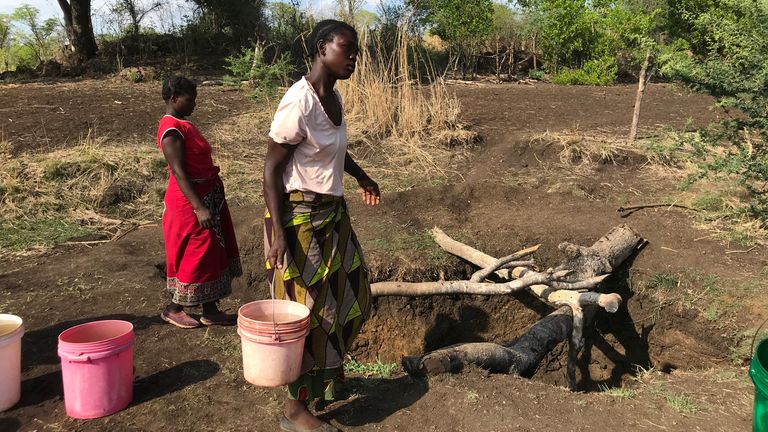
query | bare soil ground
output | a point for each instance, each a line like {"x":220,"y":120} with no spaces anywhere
{"x":666,"y":363}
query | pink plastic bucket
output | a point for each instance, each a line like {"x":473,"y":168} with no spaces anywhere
{"x":272,"y":349}
{"x":11,"y":331}
{"x":97,"y":368}
{"x":287,"y":313}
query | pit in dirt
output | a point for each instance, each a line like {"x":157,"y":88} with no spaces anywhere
{"x":640,"y":336}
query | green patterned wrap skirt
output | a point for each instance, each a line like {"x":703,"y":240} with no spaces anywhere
{"x":323,"y":269}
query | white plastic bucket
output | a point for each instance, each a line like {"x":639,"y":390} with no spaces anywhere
{"x":272,"y":334}
{"x":11,"y":331}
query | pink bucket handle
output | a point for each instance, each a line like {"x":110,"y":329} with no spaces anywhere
{"x":85,"y":358}
{"x":276,"y":336}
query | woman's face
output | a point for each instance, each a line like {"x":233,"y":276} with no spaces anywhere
{"x":184,"y":104}
{"x":340,"y":55}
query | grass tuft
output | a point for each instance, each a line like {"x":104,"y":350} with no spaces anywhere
{"x":618,"y":392}
{"x":377,"y":369}
{"x":682,"y":403}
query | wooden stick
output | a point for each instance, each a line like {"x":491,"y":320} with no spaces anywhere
{"x":484,"y":273}
{"x":644,"y":206}
{"x":741,"y":251}
{"x":87,"y":242}
{"x":124,"y":233}
{"x":466,"y":252}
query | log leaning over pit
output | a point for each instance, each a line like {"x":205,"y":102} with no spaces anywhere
{"x":584,"y":268}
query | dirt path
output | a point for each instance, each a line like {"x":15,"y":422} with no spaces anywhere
{"x":193,"y":379}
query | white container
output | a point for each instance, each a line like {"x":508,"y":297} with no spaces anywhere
{"x":11,"y":331}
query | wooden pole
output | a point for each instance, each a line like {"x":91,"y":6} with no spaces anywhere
{"x":641,"y":83}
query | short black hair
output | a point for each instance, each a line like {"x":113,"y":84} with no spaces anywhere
{"x":326,"y":30}
{"x":177,"y":86}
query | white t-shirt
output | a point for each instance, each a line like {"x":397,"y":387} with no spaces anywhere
{"x":317,"y":164}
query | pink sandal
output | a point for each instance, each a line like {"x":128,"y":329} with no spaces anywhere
{"x":179,"y":319}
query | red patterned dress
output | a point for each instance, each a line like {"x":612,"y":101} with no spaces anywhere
{"x":201,"y":263}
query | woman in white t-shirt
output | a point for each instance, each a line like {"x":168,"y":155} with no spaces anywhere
{"x":312,"y":254}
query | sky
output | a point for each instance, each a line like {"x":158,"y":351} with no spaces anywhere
{"x":50,"y":8}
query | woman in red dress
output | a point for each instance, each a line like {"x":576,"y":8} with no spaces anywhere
{"x":200,"y":247}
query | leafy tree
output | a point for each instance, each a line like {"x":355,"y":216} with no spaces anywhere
{"x":77,"y":22}
{"x":681,"y":16}
{"x":462,"y":24}
{"x":347,"y":10}
{"x":5,"y":40}
{"x":506,"y":34}
{"x":366,"y":19}
{"x":135,"y":11}
{"x":40,"y":37}
{"x":726,"y":56}
{"x":391,"y":17}
{"x":243,"y":20}
{"x":289,"y":25}
{"x":566,"y":29}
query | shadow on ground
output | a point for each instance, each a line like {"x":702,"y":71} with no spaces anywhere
{"x":372,"y":400}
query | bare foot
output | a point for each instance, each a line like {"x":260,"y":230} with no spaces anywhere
{"x":298,"y":414}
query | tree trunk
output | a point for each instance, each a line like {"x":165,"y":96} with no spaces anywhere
{"x":533,"y":50}
{"x":512,"y":65}
{"x":520,"y":357}
{"x":131,"y":6}
{"x":641,"y":83}
{"x":498,"y":61}
{"x":77,"y":22}
{"x":523,"y":356}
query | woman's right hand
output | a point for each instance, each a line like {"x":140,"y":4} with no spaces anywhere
{"x":204,"y":217}
{"x":277,"y":252}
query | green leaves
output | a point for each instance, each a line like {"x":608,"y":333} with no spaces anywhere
{"x":458,"y":21}
{"x":726,"y":55}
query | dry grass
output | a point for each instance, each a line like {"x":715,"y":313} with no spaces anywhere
{"x":582,"y":149}
{"x":721,"y":202}
{"x":397,"y":126}
{"x":239,"y":147}
{"x":89,"y":187}
{"x":6,"y":147}
{"x":97,"y":187}
{"x":90,"y":176}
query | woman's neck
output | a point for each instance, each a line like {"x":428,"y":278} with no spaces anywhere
{"x":321,"y":80}
{"x":173,"y":113}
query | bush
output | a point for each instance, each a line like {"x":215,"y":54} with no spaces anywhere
{"x":594,"y":72}
{"x":726,"y":57}
{"x":138,"y":74}
{"x":536,"y":74}
{"x":249,"y":66}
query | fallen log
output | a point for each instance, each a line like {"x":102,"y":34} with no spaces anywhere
{"x":520,"y":357}
{"x":586,"y":266}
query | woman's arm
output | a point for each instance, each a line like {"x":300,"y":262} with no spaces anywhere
{"x":368,"y":188}
{"x":275,"y":162}
{"x":173,"y":150}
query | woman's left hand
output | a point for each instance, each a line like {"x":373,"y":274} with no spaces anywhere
{"x":369,"y":191}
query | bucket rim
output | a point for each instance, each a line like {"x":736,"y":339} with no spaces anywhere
{"x":15,"y":319}
{"x":303,"y":316}
{"x":301,"y":306}
{"x":15,"y":334}
{"x":88,"y":347}
{"x":758,"y":368}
